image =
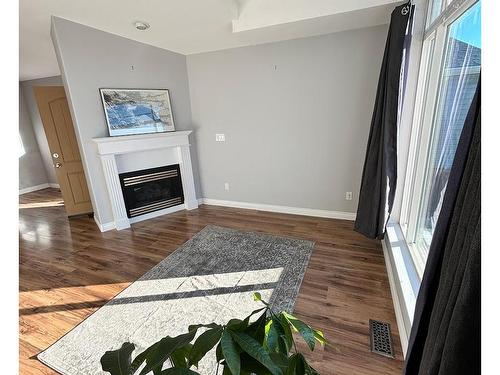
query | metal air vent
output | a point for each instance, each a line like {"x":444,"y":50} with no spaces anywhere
{"x":380,"y":337}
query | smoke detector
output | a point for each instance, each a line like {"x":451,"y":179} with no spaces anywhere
{"x":140,"y":25}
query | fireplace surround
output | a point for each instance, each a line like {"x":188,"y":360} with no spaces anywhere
{"x":124,"y":154}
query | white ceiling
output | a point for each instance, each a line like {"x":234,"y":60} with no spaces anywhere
{"x":190,"y":26}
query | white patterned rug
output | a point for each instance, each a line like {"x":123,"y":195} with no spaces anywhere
{"x":210,"y":278}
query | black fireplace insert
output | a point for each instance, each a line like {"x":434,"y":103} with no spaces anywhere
{"x":152,"y":189}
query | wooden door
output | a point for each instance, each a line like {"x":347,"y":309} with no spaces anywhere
{"x":56,"y":119}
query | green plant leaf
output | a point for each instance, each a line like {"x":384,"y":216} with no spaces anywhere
{"x":230,"y":353}
{"x":299,"y":366}
{"x":305,"y":331}
{"x":118,"y":362}
{"x":247,"y":319}
{"x":308,"y":370}
{"x":237,"y":324}
{"x":272,"y":336}
{"x":178,"y":371}
{"x":257,"y":329}
{"x":295,"y":365}
{"x":253,"y":348}
{"x":319,"y":336}
{"x":166,"y":346}
{"x":250,"y":365}
{"x":258,"y":297}
{"x":276,"y":340}
{"x":285,"y":334}
{"x":281,"y":360}
{"x":139,"y":360}
{"x":218,"y":353}
{"x":180,"y":356}
{"x":204,"y":343}
{"x":241,"y":325}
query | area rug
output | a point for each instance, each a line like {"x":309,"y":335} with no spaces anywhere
{"x":210,"y":278}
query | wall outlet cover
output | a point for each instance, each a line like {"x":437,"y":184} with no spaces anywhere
{"x":348,"y":196}
{"x":220,"y":137}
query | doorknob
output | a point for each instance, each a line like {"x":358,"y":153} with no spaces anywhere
{"x":58,"y":165}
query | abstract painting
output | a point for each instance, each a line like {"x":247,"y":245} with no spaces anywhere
{"x":137,"y":111}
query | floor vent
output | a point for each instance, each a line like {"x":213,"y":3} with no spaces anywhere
{"x":380,"y":336}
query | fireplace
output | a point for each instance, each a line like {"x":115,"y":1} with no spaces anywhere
{"x":150,"y":190}
{"x":137,"y":152}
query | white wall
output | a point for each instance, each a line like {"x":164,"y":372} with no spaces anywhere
{"x":32,"y":106}
{"x":31,"y":169}
{"x":296,"y":116}
{"x":91,"y":59}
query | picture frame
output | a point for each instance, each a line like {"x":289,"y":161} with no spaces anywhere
{"x":137,"y":111}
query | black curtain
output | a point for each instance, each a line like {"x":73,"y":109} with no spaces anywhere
{"x":445,"y":336}
{"x":378,"y":182}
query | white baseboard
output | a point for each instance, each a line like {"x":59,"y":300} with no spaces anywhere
{"x":246,"y":205}
{"x":55,"y":186}
{"x":280,"y":209}
{"x":37,"y":187}
{"x":403,"y":336}
{"x":33,"y":188}
{"x":104,"y":227}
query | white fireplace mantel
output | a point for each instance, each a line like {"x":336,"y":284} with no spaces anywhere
{"x":109,"y":148}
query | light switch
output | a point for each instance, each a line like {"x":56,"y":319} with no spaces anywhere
{"x":220,"y":137}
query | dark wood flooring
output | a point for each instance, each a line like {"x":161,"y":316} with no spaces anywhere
{"x":68,"y":269}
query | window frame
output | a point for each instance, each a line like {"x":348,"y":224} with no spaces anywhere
{"x":426,"y":104}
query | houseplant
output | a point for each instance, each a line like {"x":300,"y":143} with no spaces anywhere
{"x":264,"y":346}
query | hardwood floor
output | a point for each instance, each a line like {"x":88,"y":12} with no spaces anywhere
{"x":68,"y":269}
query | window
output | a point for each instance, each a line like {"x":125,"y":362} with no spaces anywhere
{"x":449,"y":74}
{"x":21,"y":151}
{"x":435,"y":7}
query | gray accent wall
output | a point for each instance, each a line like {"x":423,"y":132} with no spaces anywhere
{"x":90,"y":59}
{"x":296,"y":116}
{"x":32,"y":106}
{"x":31,"y":169}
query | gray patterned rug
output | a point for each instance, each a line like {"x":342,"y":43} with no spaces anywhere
{"x":211,"y":278}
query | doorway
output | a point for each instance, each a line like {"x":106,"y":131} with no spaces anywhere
{"x":58,"y":125}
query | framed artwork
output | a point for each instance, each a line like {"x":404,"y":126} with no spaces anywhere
{"x":137,"y":111}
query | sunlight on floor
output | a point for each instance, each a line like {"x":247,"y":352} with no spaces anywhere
{"x":52,"y":300}
{"x":203,"y":282}
{"x":55,"y":203}
{"x":39,"y":234}
{"x":233,"y":289}
{"x":152,"y":308}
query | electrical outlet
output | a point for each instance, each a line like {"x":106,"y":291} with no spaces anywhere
{"x":220,"y":137}
{"x":348,"y":196}
{"x":226,"y":186}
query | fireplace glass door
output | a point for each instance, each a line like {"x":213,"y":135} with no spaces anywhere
{"x":152,"y":189}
